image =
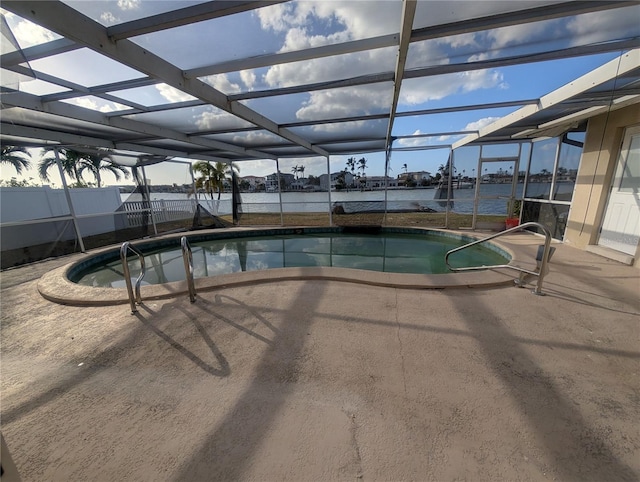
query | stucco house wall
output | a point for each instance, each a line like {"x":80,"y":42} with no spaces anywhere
{"x":603,"y":142}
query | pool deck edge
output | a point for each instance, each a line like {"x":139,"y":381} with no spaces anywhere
{"x":56,"y":287}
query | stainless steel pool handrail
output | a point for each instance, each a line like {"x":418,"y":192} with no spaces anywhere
{"x":124,"y":250}
{"x":541,"y":269}
{"x":187,"y":257}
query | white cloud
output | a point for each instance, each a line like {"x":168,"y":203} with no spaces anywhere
{"x":172,"y":94}
{"x":354,"y":19}
{"x":209,"y":118}
{"x":92,"y":104}
{"x":481,"y":79}
{"x":222,"y":83}
{"x":419,"y":91}
{"x":128,"y":4}
{"x":262,"y":167}
{"x":426,"y":141}
{"x":248,"y":77}
{"x":331,"y":68}
{"x":28,"y":33}
{"x":480,"y":123}
{"x":344,"y":102}
{"x":418,"y":141}
{"x":109,"y":18}
{"x":605,"y":25}
{"x":277,"y":17}
{"x":516,"y":34}
{"x":253,"y":137}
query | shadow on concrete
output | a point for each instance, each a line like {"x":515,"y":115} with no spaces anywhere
{"x":96,"y":362}
{"x":222,"y":371}
{"x":578,"y":450}
{"x":230,"y":446}
{"x":470,"y":334}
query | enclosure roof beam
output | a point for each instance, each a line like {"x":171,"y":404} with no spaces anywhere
{"x":579,"y":51}
{"x":54,"y":47}
{"x":519,"y":17}
{"x":184,"y":16}
{"x":408,"y":13}
{"x":466,"y":26}
{"x":338,"y":120}
{"x":70,"y":23}
{"x":259,"y":61}
{"x":627,"y":62}
{"x":443,"y":69}
{"x":10,"y":129}
{"x":31,"y":102}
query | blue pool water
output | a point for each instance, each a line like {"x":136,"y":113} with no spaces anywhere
{"x":397,"y":251}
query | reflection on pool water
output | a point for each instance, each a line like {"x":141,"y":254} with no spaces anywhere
{"x":387,"y":252}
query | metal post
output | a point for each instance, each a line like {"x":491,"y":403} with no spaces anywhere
{"x":546,"y":253}
{"x":279,"y":192}
{"x":386,"y":182}
{"x":69,"y":202}
{"x":476,"y":194}
{"x":449,"y":188}
{"x":556,"y":162}
{"x":146,"y":188}
{"x":514,"y":180}
{"x":193,"y":183}
{"x":187,"y":258}
{"x":329,"y":192}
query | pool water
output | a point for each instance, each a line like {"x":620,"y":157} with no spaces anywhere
{"x":387,"y":252}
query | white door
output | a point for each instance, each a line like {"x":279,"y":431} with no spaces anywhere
{"x":621,"y":224}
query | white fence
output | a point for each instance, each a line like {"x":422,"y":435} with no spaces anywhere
{"x":37,"y":215}
{"x":139,"y":212}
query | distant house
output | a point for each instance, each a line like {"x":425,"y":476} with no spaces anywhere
{"x":299,"y":184}
{"x":379,"y":182}
{"x":254,"y":181}
{"x":324,"y":180}
{"x":417,"y":176}
{"x":271,"y":181}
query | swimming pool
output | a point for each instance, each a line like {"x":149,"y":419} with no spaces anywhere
{"x":386,"y":250}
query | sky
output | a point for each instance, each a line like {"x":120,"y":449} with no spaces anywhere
{"x":298,"y":25}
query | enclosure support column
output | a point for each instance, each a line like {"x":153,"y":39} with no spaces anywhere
{"x":146,"y":188}
{"x":556,"y":163}
{"x":279,"y":192}
{"x":193,"y":183}
{"x":476,"y":194}
{"x":69,"y":202}
{"x":387,"y":163}
{"x":449,"y":188}
{"x":329,"y":192}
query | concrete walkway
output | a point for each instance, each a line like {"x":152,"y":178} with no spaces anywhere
{"x":317,"y":380}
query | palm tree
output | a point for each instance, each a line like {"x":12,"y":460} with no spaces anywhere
{"x":362,"y":165}
{"x":74,"y":163}
{"x":68,"y":158}
{"x":14,"y":155}
{"x":212,"y":176}
{"x":96,"y":163}
{"x":294,"y":170}
{"x":351,"y":165}
{"x":404,"y":166}
{"x":301,"y":169}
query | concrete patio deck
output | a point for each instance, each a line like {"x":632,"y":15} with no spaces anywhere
{"x":314,"y":380}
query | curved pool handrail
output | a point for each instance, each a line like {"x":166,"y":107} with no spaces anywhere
{"x":542,"y":268}
{"x":187,"y":258}
{"x":124,"y":250}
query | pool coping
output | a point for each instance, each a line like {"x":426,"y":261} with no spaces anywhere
{"x":55,"y":285}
